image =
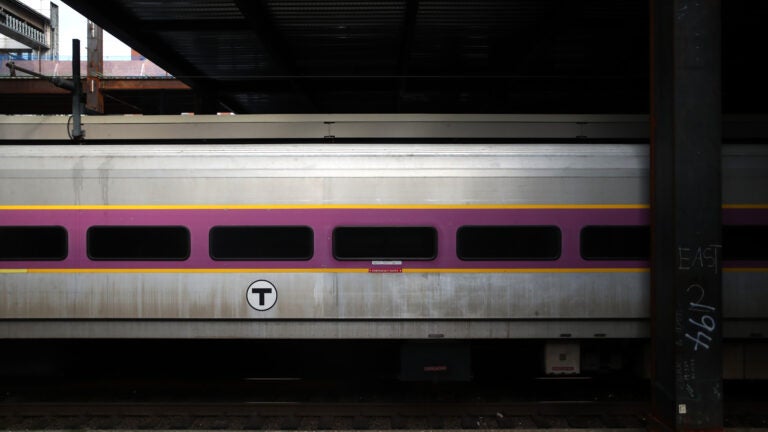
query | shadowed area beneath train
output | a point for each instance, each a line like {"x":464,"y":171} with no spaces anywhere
{"x":336,"y":384}
{"x":376,"y":371}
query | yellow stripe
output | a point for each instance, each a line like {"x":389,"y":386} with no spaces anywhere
{"x":527,"y":270}
{"x":745,"y":206}
{"x":327,"y":206}
{"x":745,"y":269}
{"x":195,"y":270}
{"x":13,"y":271}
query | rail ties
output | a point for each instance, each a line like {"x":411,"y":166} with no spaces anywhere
{"x":317,"y":416}
{"x":342,"y":416}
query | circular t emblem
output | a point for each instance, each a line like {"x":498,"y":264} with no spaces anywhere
{"x":261,"y":295}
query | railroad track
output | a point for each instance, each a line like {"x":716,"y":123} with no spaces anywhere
{"x":214,"y":404}
{"x":347,"y":416}
{"x":322,"y":416}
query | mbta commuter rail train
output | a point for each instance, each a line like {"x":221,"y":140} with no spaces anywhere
{"x":351,"y":241}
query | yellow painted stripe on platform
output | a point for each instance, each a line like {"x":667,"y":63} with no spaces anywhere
{"x":14,"y":271}
{"x":328,"y":206}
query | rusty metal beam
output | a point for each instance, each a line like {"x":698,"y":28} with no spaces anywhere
{"x":94,"y":100}
{"x":22,"y":86}
{"x":143,"y":84}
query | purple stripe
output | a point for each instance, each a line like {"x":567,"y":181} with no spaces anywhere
{"x":322,"y":221}
{"x":745,"y":217}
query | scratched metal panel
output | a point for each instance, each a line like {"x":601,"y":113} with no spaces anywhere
{"x":160,"y":329}
{"x":376,"y":174}
{"x":350,"y":174}
{"x":264,"y":159}
{"x":351,"y":305}
{"x":308,"y":191}
{"x":326,"y":296}
{"x":411,"y":329}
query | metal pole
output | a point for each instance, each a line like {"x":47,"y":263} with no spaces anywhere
{"x":77,"y":131}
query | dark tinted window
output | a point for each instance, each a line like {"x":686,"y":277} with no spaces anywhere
{"x":745,"y":242}
{"x":169,"y":243}
{"x":371,"y":243}
{"x":508,"y":243}
{"x":33,"y":243}
{"x":261,"y":243}
{"x":620,"y":242}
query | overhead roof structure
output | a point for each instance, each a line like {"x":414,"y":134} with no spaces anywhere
{"x":472,"y":56}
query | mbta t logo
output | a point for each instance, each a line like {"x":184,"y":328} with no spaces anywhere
{"x":261,"y":295}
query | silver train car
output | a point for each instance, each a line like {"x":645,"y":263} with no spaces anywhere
{"x":350,"y":241}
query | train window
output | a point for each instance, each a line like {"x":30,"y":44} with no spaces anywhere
{"x":261,"y":243}
{"x":138,"y":243}
{"x":33,"y":243}
{"x":374,"y":243}
{"x":745,"y":242}
{"x":500,"y":243}
{"x":616,"y":242}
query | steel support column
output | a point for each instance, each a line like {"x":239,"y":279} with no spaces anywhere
{"x":686,"y":298}
{"x":77,"y":133}
{"x":94,"y":99}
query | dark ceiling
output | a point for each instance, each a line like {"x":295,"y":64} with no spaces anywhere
{"x":482,"y":56}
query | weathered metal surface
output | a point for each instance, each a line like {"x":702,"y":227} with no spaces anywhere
{"x":686,"y":208}
{"x":94,"y":98}
{"x":24,"y":86}
{"x":320,"y":300}
{"x":362,"y":126}
{"x":357,"y":296}
{"x":750,"y":128}
{"x":289,"y":329}
{"x":340,"y":174}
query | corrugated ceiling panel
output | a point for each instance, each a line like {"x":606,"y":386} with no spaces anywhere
{"x":183,"y":9}
{"x":341,"y":37}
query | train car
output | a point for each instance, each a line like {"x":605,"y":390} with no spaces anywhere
{"x":351,"y":241}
